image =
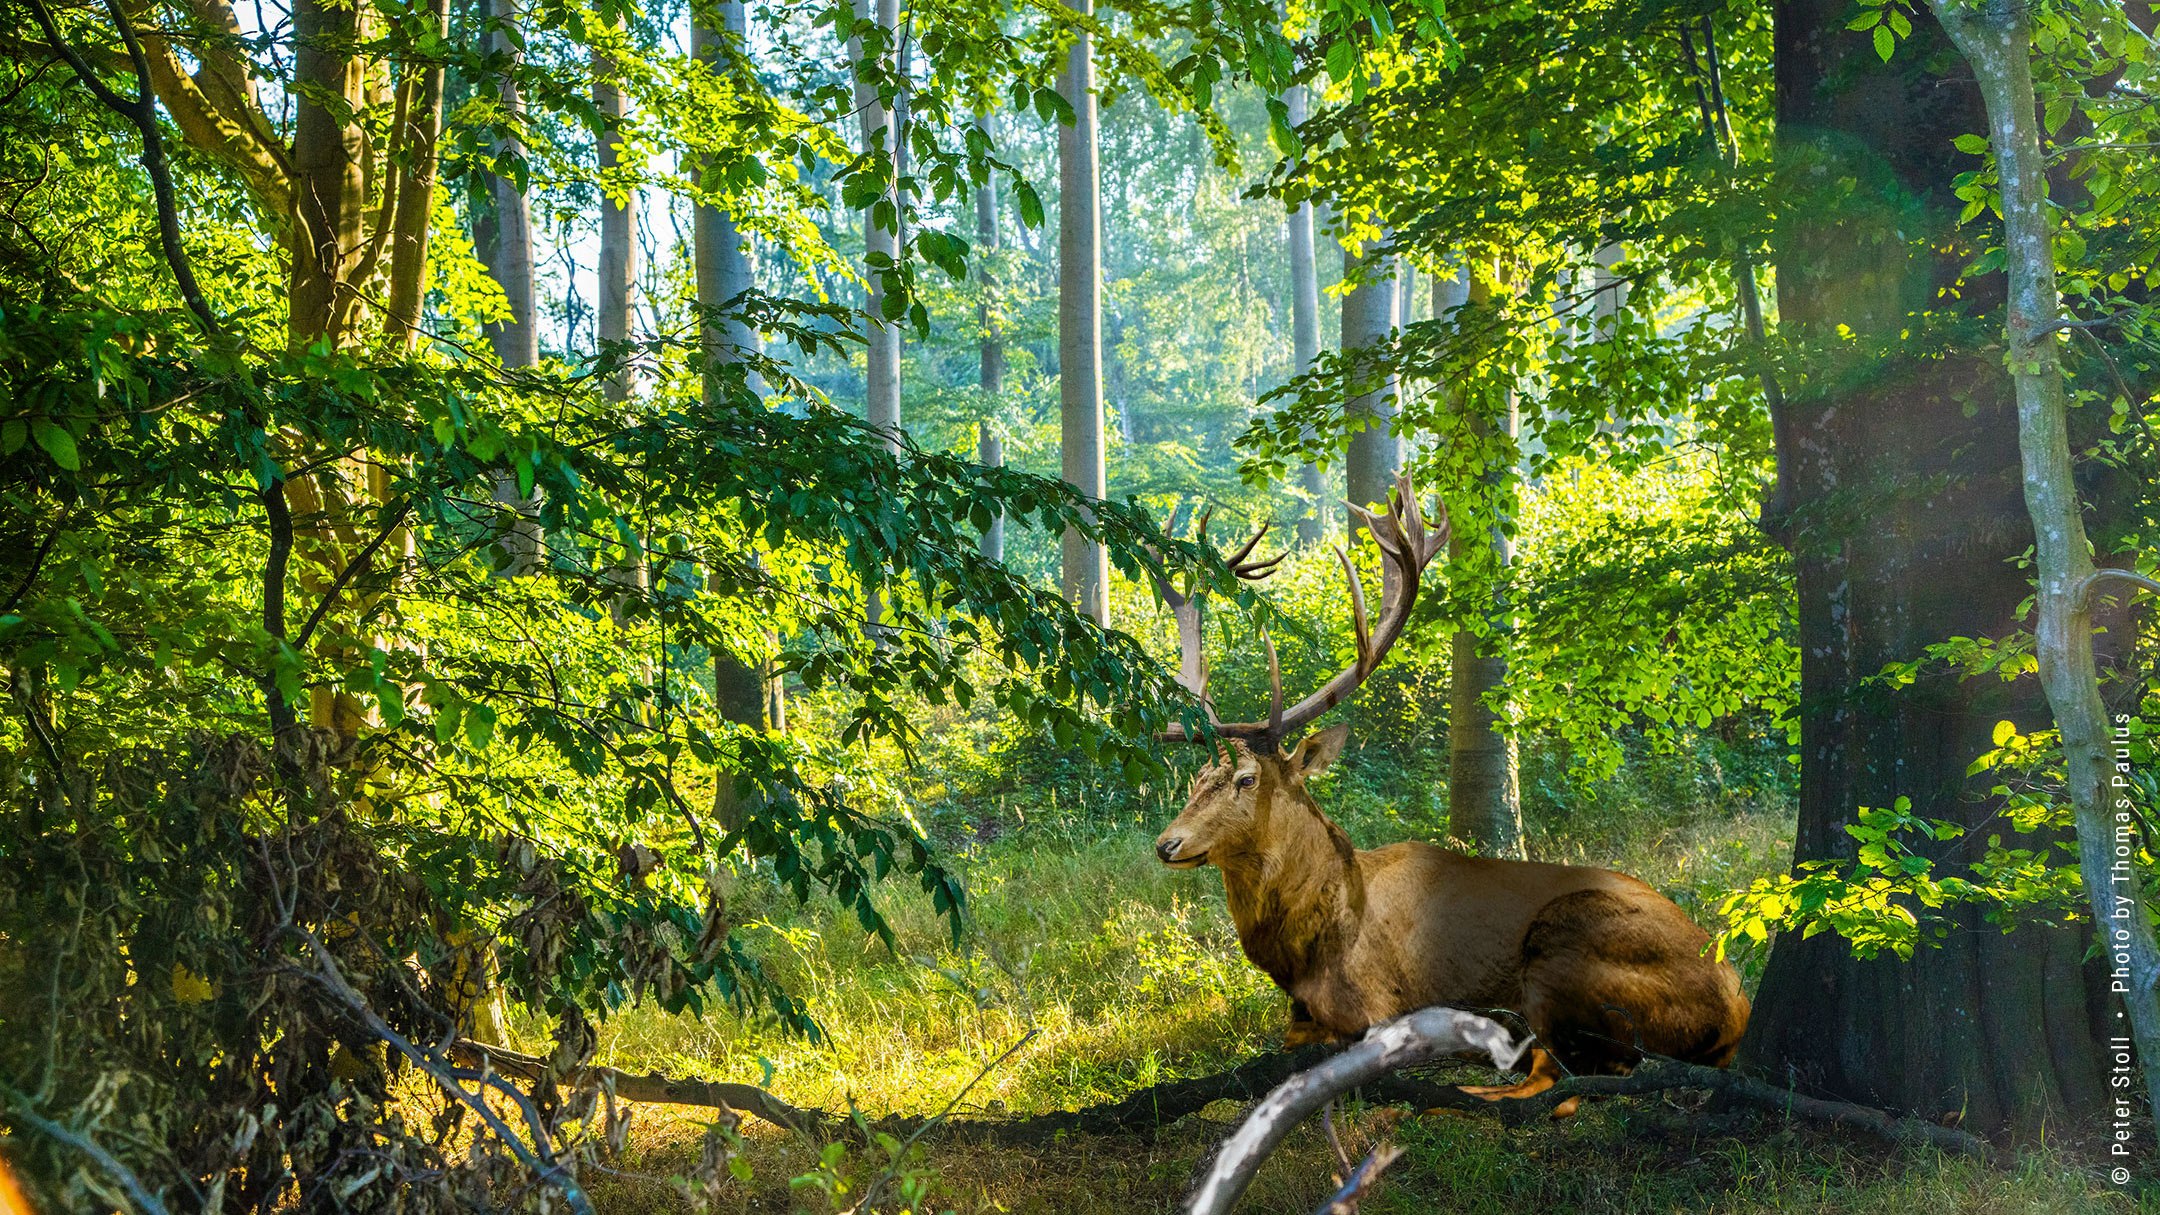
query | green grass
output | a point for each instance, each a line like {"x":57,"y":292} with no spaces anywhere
{"x":1131,"y":974}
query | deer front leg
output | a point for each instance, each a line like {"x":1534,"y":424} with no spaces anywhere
{"x":1544,"y":1073}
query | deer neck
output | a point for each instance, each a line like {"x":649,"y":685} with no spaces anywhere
{"x":1297,"y":896}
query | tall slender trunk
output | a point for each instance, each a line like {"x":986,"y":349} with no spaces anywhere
{"x":516,"y":338}
{"x":990,"y":449}
{"x":1086,"y":568}
{"x":1996,"y":38}
{"x":1368,"y":316}
{"x":415,"y":207}
{"x":1484,"y":791}
{"x":618,"y":229}
{"x":742,"y":689}
{"x":1305,"y":330}
{"x":881,"y":240}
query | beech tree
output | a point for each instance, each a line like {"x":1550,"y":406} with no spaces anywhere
{"x":1084,"y":569}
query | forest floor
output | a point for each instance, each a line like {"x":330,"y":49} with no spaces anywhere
{"x":1131,"y":975}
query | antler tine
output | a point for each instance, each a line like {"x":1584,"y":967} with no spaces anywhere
{"x":1360,"y":631}
{"x":1274,"y":678}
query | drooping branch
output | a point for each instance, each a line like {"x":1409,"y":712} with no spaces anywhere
{"x":141,"y":111}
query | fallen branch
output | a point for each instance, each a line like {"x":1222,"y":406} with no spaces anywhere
{"x":711,"y":1094}
{"x":1419,"y":1037}
{"x":1665,"y":1075}
{"x":1150,"y":1109}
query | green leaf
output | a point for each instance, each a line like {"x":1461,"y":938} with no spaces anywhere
{"x":1885,"y":42}
{"x":1974,"y":144}
{"x":58,"y":444}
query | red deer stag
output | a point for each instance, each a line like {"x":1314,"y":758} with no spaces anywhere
{"x":1602,"y":967}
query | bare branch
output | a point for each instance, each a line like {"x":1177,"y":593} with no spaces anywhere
{"x":1419,"y":1037}
{"x":1345,"y":1200}
{"x":2091,"y":586}
{"x":535,"y":1156}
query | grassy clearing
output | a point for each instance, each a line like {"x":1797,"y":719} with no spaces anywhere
{"x":1132,"y":975}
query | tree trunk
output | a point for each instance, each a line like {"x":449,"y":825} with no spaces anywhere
{"x":1996,"y":38}
{"x":328,"y":189}
{"x":990,"y":450}
{"x":516,"y":339}
{"x":1368,"y":316}
{"x":618,"y":229}
{"x":422,"y":106}
{"x":1086,"y":567}
{"x":741,"y":688}
{"x":1305,"y":331}
{"x":1906,"y":524}
{"x":1484,"y":790}
{"x":881,"y":242}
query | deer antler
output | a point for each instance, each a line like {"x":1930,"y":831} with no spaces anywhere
{"x":1185,"y":608}
{"x":1406,"y":546}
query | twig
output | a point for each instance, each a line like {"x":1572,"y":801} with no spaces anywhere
{"x":1345,"y":1200}
{"x":870,"y":1192}
{"x":359,"y":562}
{"x":142,"y":112}
{"x":19,"y":1111}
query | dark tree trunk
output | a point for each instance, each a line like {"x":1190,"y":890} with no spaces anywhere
{"x":1907,"y":515}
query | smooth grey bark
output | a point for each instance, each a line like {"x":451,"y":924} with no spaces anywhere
{"x":516,"y":339}
{"x":742,"y":689}
{"x":990,"y":449}
{"x":1085,"y":570}
{"x":618,"y":231}
{"x":1996,"y":39}
{"x":1368,"y":316}
{"x":881,"y":243}
{"x":1484,"y":785}
{"x":1305,"y":330}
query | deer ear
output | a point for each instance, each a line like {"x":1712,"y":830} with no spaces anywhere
{"x":1317,"y":751}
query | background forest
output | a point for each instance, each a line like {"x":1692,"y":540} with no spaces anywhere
{"x":554,"y":535}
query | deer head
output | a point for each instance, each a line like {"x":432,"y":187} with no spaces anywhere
{"x":1230,"y":811}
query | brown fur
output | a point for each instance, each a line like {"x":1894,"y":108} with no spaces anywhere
{"x":1600,"y":966}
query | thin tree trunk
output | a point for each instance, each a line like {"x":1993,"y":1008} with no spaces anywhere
{"x":1086,"y":567}
{"x":742,"y":689}
{"x":881,"y":241}
{"x":1368,"y":316}
{"x":415,"y":195}
{"x":1484,"y":791}
{"x":1305,"y":331}
{"x":990,"y":450}
{"x":516,"y":339}
{"x":618,"y":229}
{"x":1996,"y":38}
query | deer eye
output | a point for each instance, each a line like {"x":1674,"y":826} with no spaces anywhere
{"x":1246,"y":781}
